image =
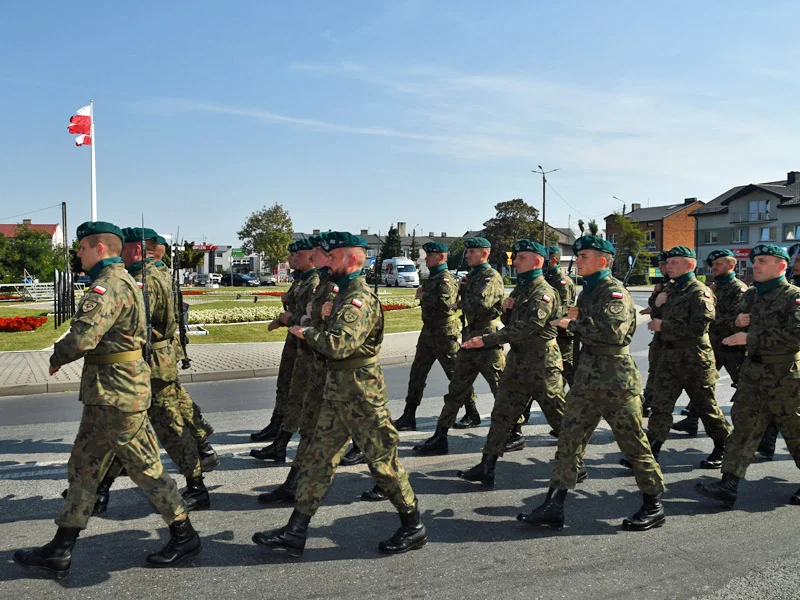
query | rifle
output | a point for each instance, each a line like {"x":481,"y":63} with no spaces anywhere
{"x":461,"y":287}
{"x":148,"y":344}
{"x":180,"y":306}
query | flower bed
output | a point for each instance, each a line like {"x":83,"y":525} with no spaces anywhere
{"x":14,"y":324}
{"x":191,"y":292}
{"x":10,"y":297}
{"x":212,"y":316}
{"x":388,"y":307}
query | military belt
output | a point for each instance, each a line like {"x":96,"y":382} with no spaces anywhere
{"x":483,"y":324}
{"x":683,"y":344}
{"x":440,"y":322}
{"x":774,"y":359}
{"x":161,"y":344}
{"x":605,"y":350}
{"x":113,"y":358}
{"x":351,"y":363}
{"x":532,"y":347}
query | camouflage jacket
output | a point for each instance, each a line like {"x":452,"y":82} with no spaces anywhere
{"x":686,"y":317}
{"x":607,"y":320}
{"x":481,"y":300}
{"x":729,"y":296}
{"x":355,"y":326}
{"x":527,"y":323}
{"x":325,"y":291}
{"x":440,"y":291}
{"x":566,"y":290}
{"x":162,"y":319}
{"x":109,"y":319}
{"x":663,"y":286}
{"x":302,"y":295}
{"x":774,"y":320}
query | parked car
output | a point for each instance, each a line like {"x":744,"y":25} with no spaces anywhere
{"x":239,"y":280}
{"x":84,"y":279}
{"x":267,"y":279}
{"x":201,"y":279}
{"x":400,"y":271}
{"x":215,"y":277}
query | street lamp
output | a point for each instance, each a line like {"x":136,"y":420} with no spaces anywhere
{"x":544,"y":184}
{"x":624,"y":206}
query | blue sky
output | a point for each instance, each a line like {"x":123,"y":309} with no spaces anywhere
{"x":361,"y":114}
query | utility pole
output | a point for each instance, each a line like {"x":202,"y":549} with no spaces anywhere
{"x":65,"y":235}
{"x":624,"y":206}
{"x":544,"y":174}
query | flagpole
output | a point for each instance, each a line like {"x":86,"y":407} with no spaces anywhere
{"x":94,"y":180}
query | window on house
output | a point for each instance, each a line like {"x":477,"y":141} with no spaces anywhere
{"x":791,"y":232}
{"x":768,"y":234}
{"x":650,"y":236}
{"x":739,"y":236}
{"x":759,"y":210}
{"x":612,"y":237}
{"x":742,"y":270}
{"x":710,"y":237}
{"x":370,"y":252}
{"x":219,"y":254}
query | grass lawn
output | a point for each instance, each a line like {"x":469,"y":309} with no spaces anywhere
{"x":29,"y":340}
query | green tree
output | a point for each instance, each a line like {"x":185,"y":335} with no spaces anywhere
{"x":191,"y":257}
{"x":413,"y":253}
{"x":630,"y":242}
{"x":455,"y":258}
{"x":267,"y":232}
{"x":593,"y":228}
{"x":514,"y":220}
{"x":30,"y":251}
{"x":391,"y":245}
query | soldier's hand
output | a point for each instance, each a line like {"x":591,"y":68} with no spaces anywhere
{"x":327,"y":309}
{"x":563,"y":323}
{"x":508,"y":303}
{"x":308,"y":308}
{"x":646,"y":311}
{"x":654,"y":325}
{"x":472,"y":343}
{"x":297,"y":331}
{"x":305,"y":320}
{"x":419,"y":293}
{"x":284,"y":318}
{"x":285,"y":297}
{"x":273,"y":325}
{"x":54,"y":370}
{"x":737,"y":339}
{"x":743,"y":320}
{"x":661,"y":298}
{"x":573,"y":313}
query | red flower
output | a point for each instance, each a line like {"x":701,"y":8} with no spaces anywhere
{"x":14,"y":324}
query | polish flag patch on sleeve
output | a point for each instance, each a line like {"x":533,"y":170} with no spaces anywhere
{"x":445,"y":280}
{"x":545,"y":298}
{"x":797,"y":300}
{"x":487,"y":279}
{"x":140,"y":284}
{"x":336,"y":289}
{"x":563,"y":282}
{"x":742,"y":290}
{"x":617,"y":295}
{"x":707,"y":295}
{"x":356,"y":302}
{"x":99,"y":289}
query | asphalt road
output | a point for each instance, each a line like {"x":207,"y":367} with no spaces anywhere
{"x":476,"y":548}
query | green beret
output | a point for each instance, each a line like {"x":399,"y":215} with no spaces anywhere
{"x":315,"y":240}
{"x":435,"y":247}
{"x":553,"y":250}
{"x":136,"y":234}
{"x":769,"y":250}
{"x":526,"y":245}
{"x":292,"y":248}
{"x":715,"y":254}
{"x":303,"y":244}
{"x":477,"y":242}
{"x":161,"y":240}
{"x":680,"y":252}
{"x":661,"y":257}
{"x":592,"y":242}
{"x":342,"y":239}
{"x":95,"y":227}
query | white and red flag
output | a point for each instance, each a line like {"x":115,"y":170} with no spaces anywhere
{"x":81,"y":122}
{"x":83,"y":140}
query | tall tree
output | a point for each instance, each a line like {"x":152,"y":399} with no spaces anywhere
{"x":267,"y":232}
{"x":191,"y":257}
{"x":32,"y":251}
{"x":455,"y":258}
{"x":515,"y":219}
{"x":630,"y":242}
{"x":391,"y":245}
{"x":413,"y":253}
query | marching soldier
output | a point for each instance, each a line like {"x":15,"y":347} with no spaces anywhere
{"x":533,"y":368}
{"x":288,"y":356}
{"x":354,"y":404}
{"x":481,"y":301}
{"x":728,"y":291}
{"x":768,"y":387}
{"x":654,"y":349}
{"x":109,"y":331}
{"x":687,"y":359}
{"x":438,"y":339}
{"x":607,"y":386}
{"x":567,"y":292}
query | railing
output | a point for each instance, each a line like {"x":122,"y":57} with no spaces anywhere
{"x":752,"y":217}
{"x":64,"y":297}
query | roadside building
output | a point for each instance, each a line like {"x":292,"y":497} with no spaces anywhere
{"x":664,"y":226}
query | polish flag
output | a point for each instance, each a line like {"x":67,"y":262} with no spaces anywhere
{"x":81,"y":122}
{"x":83,"y":140}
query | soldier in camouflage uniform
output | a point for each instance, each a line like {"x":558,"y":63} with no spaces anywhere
{"x":566,"y":290}
{"x":108,"y":331}
{"x":288,"y":356}
{"x":200,"y":429}
{"x":769,"y":380}
{"x":728,"y":292}
{"x":482,"y":303}
{"x":533,"y":369}
{"x":439,"y":338}
{"x":607,"y":386}
{"x":654,"y":349}
{"x":308,"y":280}
{"x":354,"y":404}
{"x":687,"y":359}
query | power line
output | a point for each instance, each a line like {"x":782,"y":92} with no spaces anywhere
{"x":579,"y":211}
{"x":31,"y":212}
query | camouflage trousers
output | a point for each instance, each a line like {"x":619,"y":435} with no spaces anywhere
{"x":288,"y":356}
{"x":567,"y":348}
{"x":312,"y":405}
{"x":622,"y":410}
{"x":653,"y":354}
{"x":439,"y":344}
{"x":105,"y":430}
{"x":526,"y":377}
{"x":730,"y":358}
{"x":765,"y":393}
{"x":354,"y":405}
{"x":489,"y":362}
{"x":293,"y":408}
{"x":677,"y":373}
{"x":192,"y":416}
{"x":171,"y":429}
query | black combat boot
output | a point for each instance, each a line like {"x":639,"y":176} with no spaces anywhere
{"x":583,"y":475}
{"x":649,"y":516}
{"x":202,"y":423}
{"x":437,"y":444}
{"x":515,"y":441}
{"x":724,"y":491}
{"x":54,"y":557}
{"x":270,"y":431}
{"x":483,"y":472}
{"x":376,"y":494}
{"x":183,"y":543}
{"x":655,"y":448}
{"x":472,"y":418}
{"x":550,"y":513}
{"x":354,"y":456}
{"x":766,"y":449}
{"x":291,"y":538}
{"x":276,"y":451}
{"x":714,"y":460}
{"x":647,"y":400}
{"x":103,"y":494}
{"x":408,"y":420}
{"x":411,"y":535}
{"x":795,"y":499}
{"x":285,"y":492}
{"x":689,"y":424}
{"x":195,"y":496}
{"x":208,"y":456}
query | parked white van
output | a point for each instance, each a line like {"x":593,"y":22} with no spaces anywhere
{"x":399,"y":271}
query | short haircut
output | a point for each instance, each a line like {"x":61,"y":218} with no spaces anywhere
{"x":111,"y":241}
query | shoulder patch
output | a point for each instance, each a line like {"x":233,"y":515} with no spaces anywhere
{"x":706,"y":294}
{"x":742,"y":290}
{"x":349,"y":316}
{"x":541,"y":313}
{"x":545,"y":298}
{"x":356,"y":302}
{"x":797,"y":300}
{"x":562,"y":282}
{"x":445,"y":279}
{"x":615,"y":308}
{"x":101,"y":290}
{"x":487,"y":279}
{"x":140,"y":284}
{"x":617,"y":295}
{"x":336,"y":289}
